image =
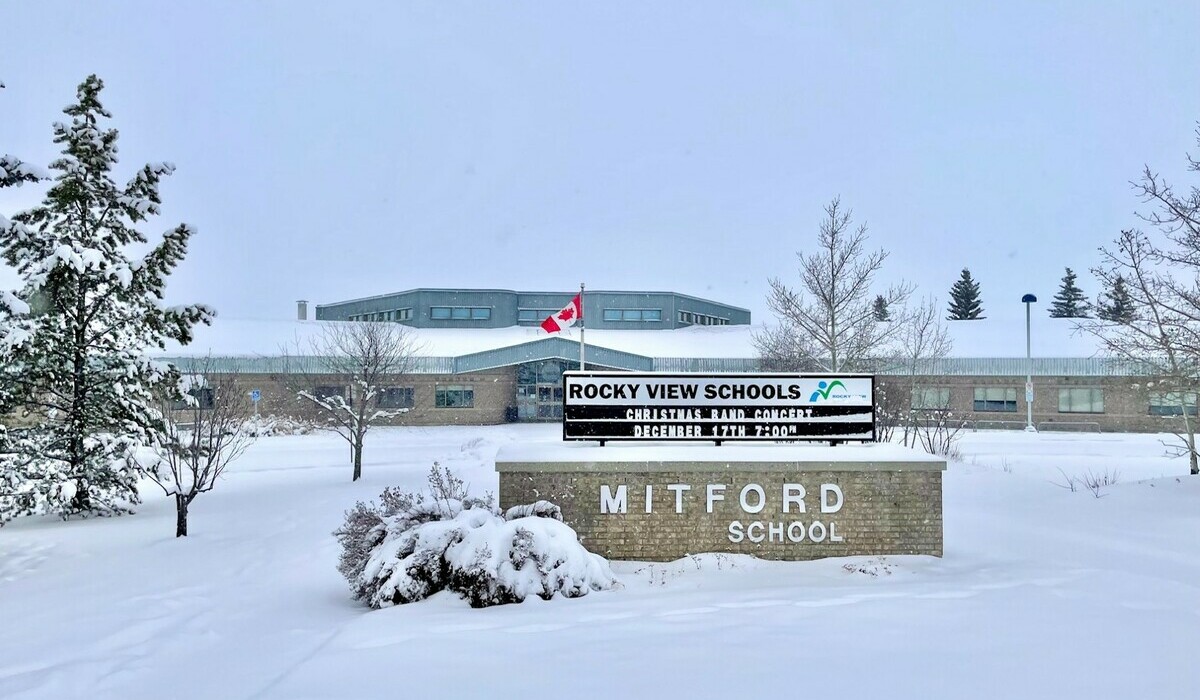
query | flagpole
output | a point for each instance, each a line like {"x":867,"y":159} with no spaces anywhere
{"x":581,"y":320}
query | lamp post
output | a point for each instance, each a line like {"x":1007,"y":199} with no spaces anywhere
{"x":1028,"y":300}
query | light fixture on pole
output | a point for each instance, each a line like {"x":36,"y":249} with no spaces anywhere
{"x":1028,"y":300}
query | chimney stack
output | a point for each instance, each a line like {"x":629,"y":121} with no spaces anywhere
{"x":302,"y":310}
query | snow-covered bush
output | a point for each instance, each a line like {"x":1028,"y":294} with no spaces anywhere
{"x":265,"y":426}
{"x":410,"y":548}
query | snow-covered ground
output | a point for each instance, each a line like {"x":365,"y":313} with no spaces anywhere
{"x":1042,"y":593}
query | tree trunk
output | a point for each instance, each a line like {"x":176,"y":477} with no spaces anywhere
{"x":358,"y":450}
{"x":82,"y":501}
{"x":1190,"y":441}
{"x":181,"y":515}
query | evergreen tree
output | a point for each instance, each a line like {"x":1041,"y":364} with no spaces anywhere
{"x":1070,"y":302}
{"x":881,"y":309}
{"x":1119,"y":307}
{"x":964,"y":299}
{"x":73,"y":346}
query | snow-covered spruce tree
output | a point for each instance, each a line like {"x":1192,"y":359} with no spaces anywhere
{"x":14,"y":172}
{"x":73,"y":346}
{"x":964,"y":299}
{"x":1117,"y":304}
{"x":1070,"y":302}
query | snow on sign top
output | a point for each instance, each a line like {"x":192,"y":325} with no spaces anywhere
{"x":513,"y":456}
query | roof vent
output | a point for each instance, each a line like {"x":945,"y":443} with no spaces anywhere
{"x":302,"y":310}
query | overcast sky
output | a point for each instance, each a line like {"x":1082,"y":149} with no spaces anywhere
{"x":331,"y":150}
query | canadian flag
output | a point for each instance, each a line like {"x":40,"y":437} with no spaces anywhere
{"x":569,"y":316}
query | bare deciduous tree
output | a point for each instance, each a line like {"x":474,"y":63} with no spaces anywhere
{"x":1162,"y":275}
{"x":362,"y":359}
{"x":205,"y":434}
{"x":921,"y":340}
{"x":829,"y":322}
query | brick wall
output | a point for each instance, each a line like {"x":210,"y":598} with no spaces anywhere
{"x":1126,"y":402}
{"x":884,"y":512}
{"x":494,"y":391}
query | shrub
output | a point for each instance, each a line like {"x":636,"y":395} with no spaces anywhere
{"x":412,"y":547}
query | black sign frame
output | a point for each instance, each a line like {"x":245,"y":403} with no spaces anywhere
{"x":726,"y":424}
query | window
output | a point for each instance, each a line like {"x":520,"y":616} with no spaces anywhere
{"x":996,"y":398}
{"x":328,"y":392}
{"x":396,"y":397}
{"x":1080,"y":400}
{"x":699,"y":319}
{"x":534,"y":315}
{"x":633,"y":315}
{"x":453,"y":396}
{"x":459,"y":313}
{"x":203,"y":396}
{"x":931,"y":398}
{"x":1173,"y":403}
{"x":404,"y":314}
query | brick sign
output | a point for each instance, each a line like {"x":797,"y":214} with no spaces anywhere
{"x":656,"y":503}
{"x":662,"y":406}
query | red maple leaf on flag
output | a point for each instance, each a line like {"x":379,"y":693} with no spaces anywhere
{"x":568,"y":316}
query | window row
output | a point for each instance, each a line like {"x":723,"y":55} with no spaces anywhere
{"x":460,"y":313}
{"x":1175,"y":403}
{"x":393,"y":315}
{"x":1000,"y":399}
{"x":702,"y":319}
{"x":445,"y":396}
{"x":648,"y":315}
{"x":534,"y":315}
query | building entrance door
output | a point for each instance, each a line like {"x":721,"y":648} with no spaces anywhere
{"x":539,"y":390}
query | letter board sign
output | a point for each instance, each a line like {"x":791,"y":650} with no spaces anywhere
{"x":691,"y":406}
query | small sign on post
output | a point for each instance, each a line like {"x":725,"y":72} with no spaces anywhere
{"x":1028,"y":392}
{"x":255,"y":397}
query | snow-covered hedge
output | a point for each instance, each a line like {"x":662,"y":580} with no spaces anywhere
{"x":411,"y":548}
{"x":263,"y":426}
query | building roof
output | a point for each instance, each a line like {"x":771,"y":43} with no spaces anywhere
{"x":985,"y":347}
{"x":567,"y":293}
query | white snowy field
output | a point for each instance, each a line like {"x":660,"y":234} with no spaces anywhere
{"x":1042,"y":593}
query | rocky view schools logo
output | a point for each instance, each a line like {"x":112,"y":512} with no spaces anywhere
{"x":824,"y":389}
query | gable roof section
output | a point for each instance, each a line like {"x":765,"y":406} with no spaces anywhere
{"x":551,"y":349}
